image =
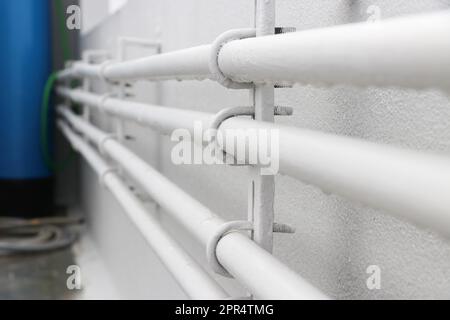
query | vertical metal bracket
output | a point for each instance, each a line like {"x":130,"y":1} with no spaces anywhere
{"x":124,"y":43}
{"x":91,"y":57}
{"x":262,"y":188}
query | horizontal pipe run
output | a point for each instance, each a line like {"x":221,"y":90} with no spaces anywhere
{"x":186,"y":64}
{"x":408,"y":184}
{"x":262,"y":274}
{"x":406,"y":52}
{"x":163,"y":119}
{"x":194,"y":281}
{"x":385,"y":53}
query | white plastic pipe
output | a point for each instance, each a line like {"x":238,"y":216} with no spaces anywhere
{"x":408,"y":184}
{"x":407,"y":51}
{"x":261,"y":273}
{"x":186,"y":64}
{"x":194,"y":281}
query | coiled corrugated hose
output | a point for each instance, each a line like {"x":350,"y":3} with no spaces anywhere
{"x":37,"y":235}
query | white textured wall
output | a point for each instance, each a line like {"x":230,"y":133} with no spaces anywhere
{"x":336,"y":239}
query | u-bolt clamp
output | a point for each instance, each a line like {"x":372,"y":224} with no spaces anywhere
{"x":217,"y":45}
{"x":217,"y":121}
{"x":103,"y":66}
{"x":227,"y":228}
{"x":103,"y":140}
{"x":228,"y":113}
{"x":222,"y":231}
{"x":102,"y":100}
{"x":104,"y":173}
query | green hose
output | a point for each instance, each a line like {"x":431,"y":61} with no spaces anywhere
{"x":46,"y":96}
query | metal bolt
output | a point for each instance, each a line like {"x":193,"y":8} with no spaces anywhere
{"x":280,"y":30}
{"x":283,"y":111}
{"x":282,"y":228}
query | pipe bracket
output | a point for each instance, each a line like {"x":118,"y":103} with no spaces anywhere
{"x":232,"y":112}
{"x":103,"y":66}
{"x":222,"y":231}
{"x":104,"y":173}
{"x":106,"y":138}
{"x":217,"y":121}
{"x":102,"y":100}
{"x":217,"y":45}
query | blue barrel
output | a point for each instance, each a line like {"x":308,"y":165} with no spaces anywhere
{"x":25,"y":64}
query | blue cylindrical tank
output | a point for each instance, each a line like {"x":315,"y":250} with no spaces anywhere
{"x":25,"y":64}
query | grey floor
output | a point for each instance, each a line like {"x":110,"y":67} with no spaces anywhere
{"x":36,"y":276}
